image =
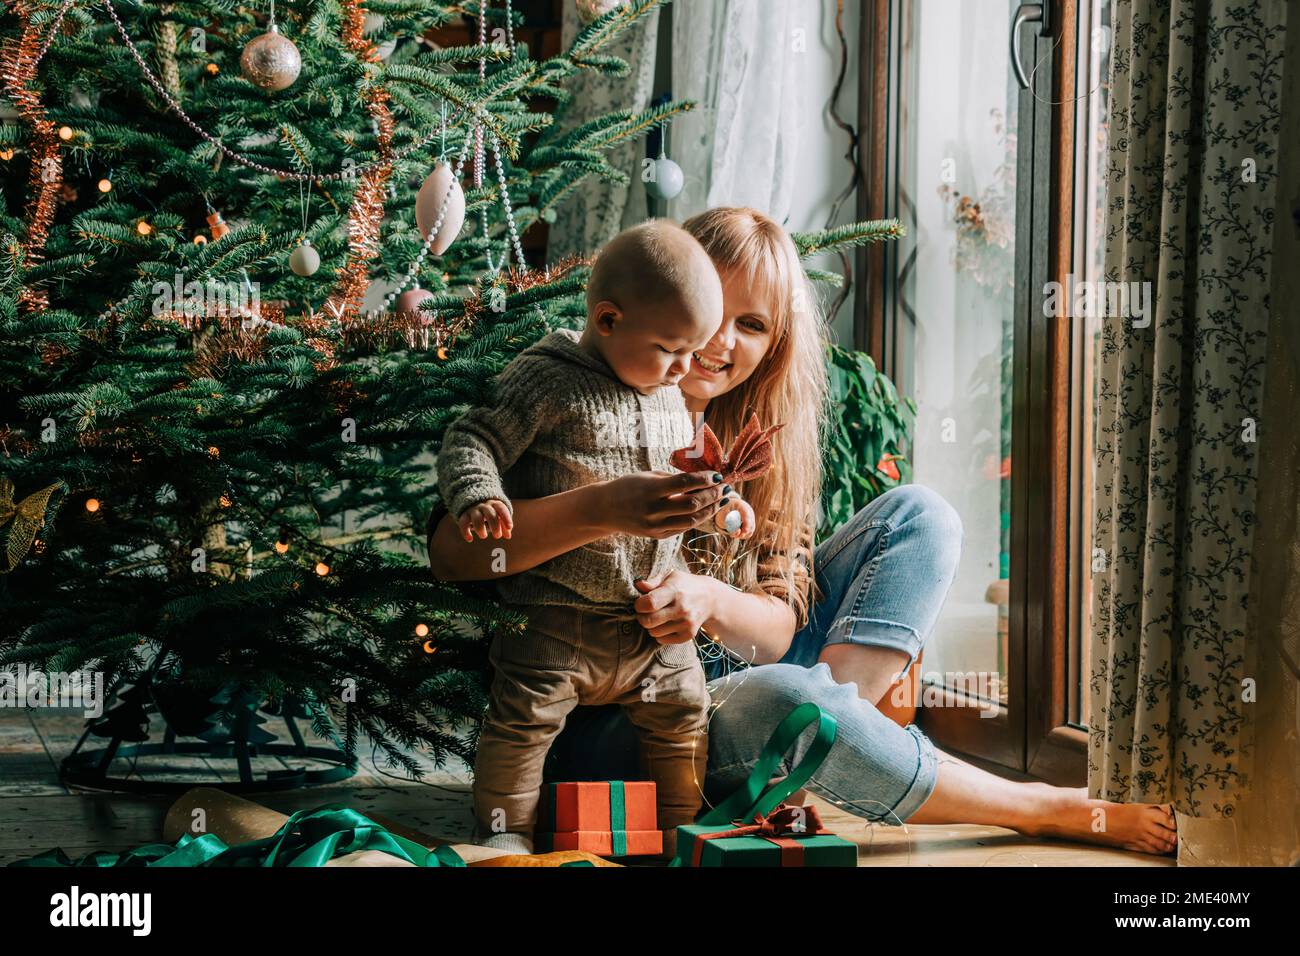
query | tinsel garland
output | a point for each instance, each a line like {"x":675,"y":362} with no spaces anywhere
{"x":520,"y":278}
{"x":18,"y":64}
{"x":367,"y":211}
{"x":229,"y":336}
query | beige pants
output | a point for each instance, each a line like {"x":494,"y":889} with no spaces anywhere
{"x":570,"y":656}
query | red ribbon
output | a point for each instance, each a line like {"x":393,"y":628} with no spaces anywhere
{"x":785,"y":819}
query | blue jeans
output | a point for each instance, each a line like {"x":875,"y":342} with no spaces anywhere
{"x":883,"y":578}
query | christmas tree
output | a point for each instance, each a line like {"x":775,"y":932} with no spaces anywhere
{"x":255,"y":259}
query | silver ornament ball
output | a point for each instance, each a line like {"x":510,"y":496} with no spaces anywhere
{"x":271,"y":61}
{"x":304,"y":260}
{"x":668,"y":179}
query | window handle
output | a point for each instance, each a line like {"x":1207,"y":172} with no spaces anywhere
{"x":1027,"y":13}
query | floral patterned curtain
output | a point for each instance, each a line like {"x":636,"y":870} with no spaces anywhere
{"x":1192,"y":185}
{"x":1266,"y":829}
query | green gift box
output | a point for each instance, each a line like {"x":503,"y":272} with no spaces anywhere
{"x":815,"y":850}
{"x":754,"y":826}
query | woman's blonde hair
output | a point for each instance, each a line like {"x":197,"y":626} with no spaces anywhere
{"x":789,"y":385}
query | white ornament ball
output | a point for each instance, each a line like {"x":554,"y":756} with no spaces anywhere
{"x":408,"y":304}
{"x":304,"y":260}
{"x":668,"y":179}
{"x":429,"y":200}
{"x":589,"y":10}
{"x":729,"y":522}
{"x":271,"y":61}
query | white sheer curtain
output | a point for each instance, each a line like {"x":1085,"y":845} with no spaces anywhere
{"x":744,"y":63}
{"x":596,"y":211}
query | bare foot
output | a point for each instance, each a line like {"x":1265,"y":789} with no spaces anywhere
{"x":1072,"y":815}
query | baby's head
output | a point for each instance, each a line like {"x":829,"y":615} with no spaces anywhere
{"x":653,"y":299}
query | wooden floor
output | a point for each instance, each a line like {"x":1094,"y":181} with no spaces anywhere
{"x":38,"y":813}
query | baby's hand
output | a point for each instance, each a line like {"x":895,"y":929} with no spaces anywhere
{"x":740,"y":506}
{"x":491,"y":515}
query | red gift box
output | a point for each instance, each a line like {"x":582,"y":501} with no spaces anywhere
{"x":605,"y":817}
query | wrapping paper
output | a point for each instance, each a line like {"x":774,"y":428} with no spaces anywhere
{"x":236,"y":820}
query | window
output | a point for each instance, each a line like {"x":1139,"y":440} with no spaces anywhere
{"x":953,"y":307}
{"x":1001,"y":190}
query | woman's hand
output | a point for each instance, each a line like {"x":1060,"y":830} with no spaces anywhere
{"x":676,"y":606}
{"x":659,"y":504}
{"x":747,"y":522}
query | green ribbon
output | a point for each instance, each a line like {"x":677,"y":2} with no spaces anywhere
{"x":618,"y":818}
{"x":754,"y":797}
{"x":307,"y":838}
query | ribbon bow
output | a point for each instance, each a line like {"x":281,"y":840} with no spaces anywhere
{"x":785,"y":819}
{"x":750,"y":455}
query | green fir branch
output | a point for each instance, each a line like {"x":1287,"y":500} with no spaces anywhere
{"x":847,"y":236}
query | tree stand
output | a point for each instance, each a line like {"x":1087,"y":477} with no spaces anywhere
{"x":228,"y":725}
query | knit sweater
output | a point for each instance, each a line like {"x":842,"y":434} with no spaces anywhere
{"x":562,"y":419}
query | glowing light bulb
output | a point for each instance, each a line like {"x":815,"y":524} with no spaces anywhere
{"x":421,"y":630}
{"x":92,"y":504}
{"x":143,"y":228}
{"x":105,"y":185}
{"x":322,"y":568}
{"x":65,"y":133}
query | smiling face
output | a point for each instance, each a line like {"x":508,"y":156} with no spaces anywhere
{"x":739,"y":345}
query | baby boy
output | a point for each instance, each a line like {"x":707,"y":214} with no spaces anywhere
{"x":570,"y":410}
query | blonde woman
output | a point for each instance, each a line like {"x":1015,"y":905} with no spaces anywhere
{"x":835,"y":624}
